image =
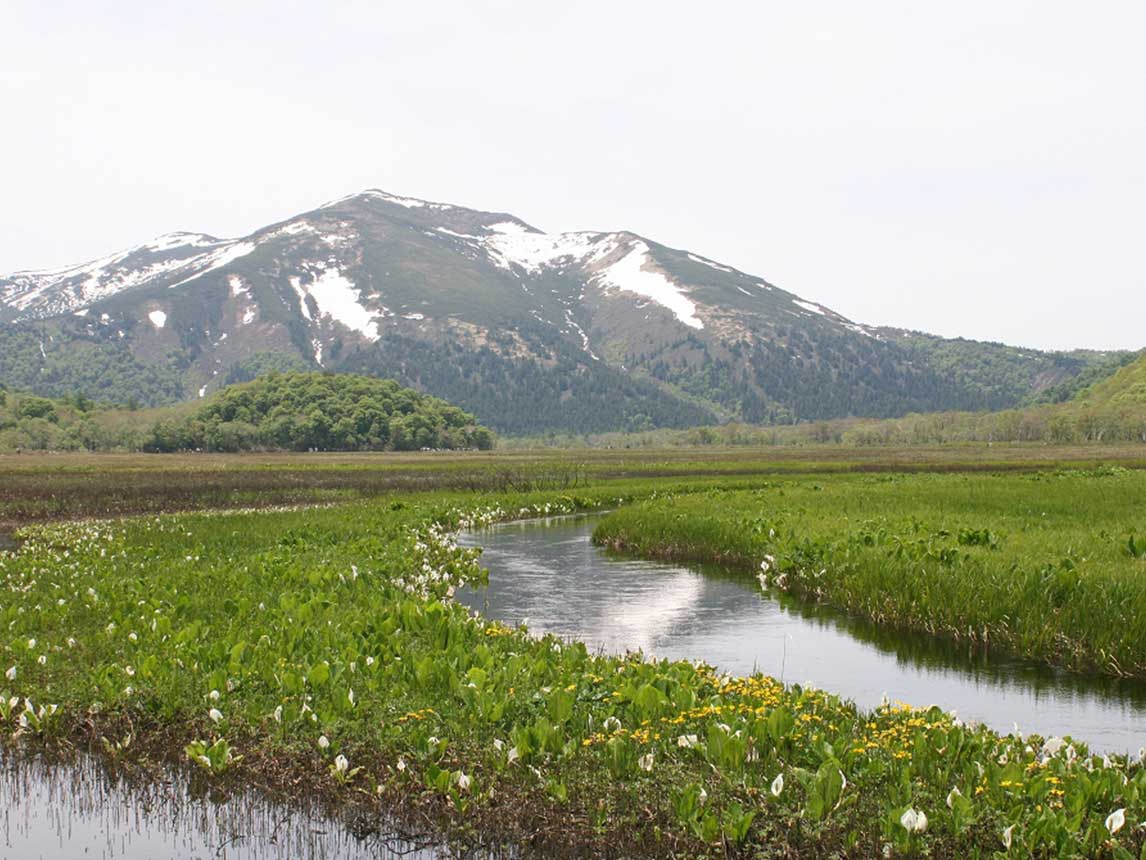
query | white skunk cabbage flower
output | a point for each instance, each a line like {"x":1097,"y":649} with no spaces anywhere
{"x":1115,"y":821}
{"x":913,"y":821}
{"x":778,"y":785}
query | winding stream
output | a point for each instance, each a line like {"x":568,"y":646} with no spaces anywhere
{"x":549,"y":573}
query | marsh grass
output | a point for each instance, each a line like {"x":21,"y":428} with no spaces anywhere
{"x":319,"y":649}
{"x":46,"y":487}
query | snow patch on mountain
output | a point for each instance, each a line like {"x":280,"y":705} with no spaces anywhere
{"x":301,"y":227}
{"x":295,"y":228}
{"x":535,"y":251}
{"x":408,"y":202}
{"x":808,"y":306}
{"x":217,"y":259}
{"x":158,"y":318}
{"x":338,"y":298}
{"x":447,"y":231}
{"x":710,"y":264}
{"x":171,"y":241}
{"x":584,"y":337}
{"x":508,"y":228}
{"x":335,"y":240}
{"x":296,"y":285}
{"x":859,"y":329}
{"x":631,"y":275}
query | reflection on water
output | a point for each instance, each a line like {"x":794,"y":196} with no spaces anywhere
{"x":550,"y":574}
{"x":84,"y":808}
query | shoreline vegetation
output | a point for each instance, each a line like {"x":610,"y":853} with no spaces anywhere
{"x":317,"y":650}
{"x":1049,"y":566}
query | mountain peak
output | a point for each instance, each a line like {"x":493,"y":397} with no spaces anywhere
{"x":447,"y":214}
{"x":396,"y":199}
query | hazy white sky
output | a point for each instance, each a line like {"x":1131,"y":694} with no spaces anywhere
{"x":972,"y":168}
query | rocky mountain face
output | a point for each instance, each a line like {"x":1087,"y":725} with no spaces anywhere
{"x":532,"y":331}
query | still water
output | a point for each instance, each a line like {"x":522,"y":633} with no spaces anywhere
{"x":549,"y":573}
{"x":83,"y":808}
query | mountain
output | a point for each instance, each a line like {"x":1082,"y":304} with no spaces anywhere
{"x":531,"y":331}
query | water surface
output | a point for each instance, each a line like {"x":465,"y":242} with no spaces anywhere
{"x":82,"y":807}
{"x":549,"y":573}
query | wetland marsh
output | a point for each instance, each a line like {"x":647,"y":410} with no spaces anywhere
{"x":321,"y":652}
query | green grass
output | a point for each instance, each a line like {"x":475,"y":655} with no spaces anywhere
{"x":40,"y":487}
{"x":1043,"y":565}
{"x":265,"y":645}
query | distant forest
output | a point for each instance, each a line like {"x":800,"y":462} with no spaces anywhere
{"x":302,"y":411}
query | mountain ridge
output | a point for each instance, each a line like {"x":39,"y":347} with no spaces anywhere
{"x":575,"y":331}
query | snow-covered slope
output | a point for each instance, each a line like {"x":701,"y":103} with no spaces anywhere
{"x":611,"y":262}
{"x":174,"y":256}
